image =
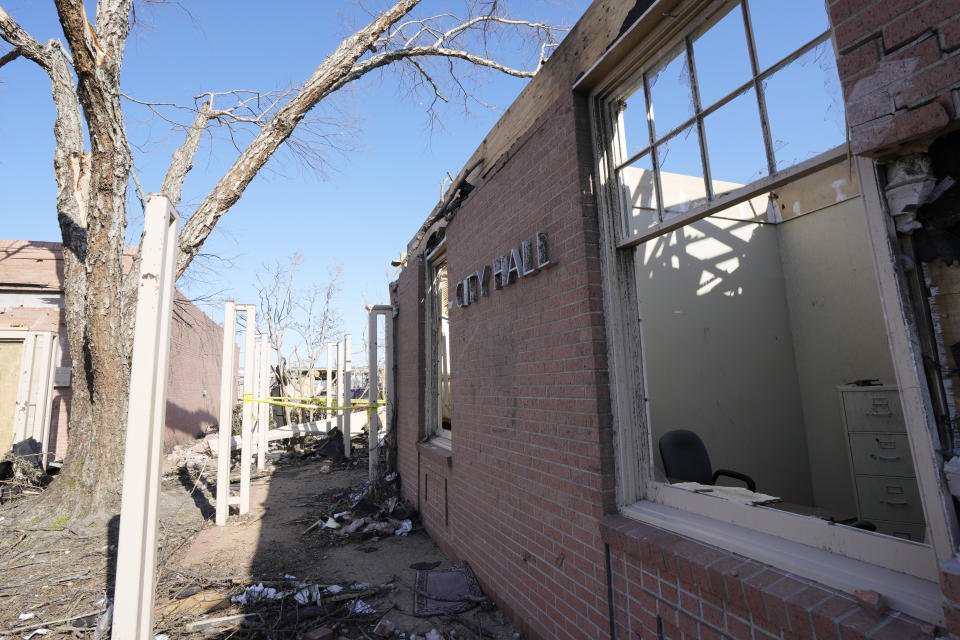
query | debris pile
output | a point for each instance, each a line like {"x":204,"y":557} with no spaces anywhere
{"x":21,"y":476}
{"x":366,"y":513}
{"x":194,"y":455}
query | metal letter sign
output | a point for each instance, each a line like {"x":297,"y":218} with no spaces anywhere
{"x":507,"y":269}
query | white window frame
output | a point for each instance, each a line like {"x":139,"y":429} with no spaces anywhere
{"x":434,"y":430}
{"x":843,"y":557}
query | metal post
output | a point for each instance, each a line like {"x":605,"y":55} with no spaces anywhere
{"x":146,"y":413}
{"x":329,"y":398}
{"x":227,"y":398}
{"x":373,"y":420}
{"x":338,"y":392}
{"x":388,"y":381}
{"x":249,"y":387}
{"x":347,"y":393}
{"x":263,"y":390}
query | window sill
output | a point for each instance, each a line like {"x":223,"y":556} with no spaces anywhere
{"x":438,"y":450}
{"x":912,"y":595}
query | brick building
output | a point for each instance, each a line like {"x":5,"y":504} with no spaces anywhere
{"x":721,"y":226}
{"x":32,"y":322}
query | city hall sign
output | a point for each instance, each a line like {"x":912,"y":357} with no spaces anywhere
{"x":518,"y":263}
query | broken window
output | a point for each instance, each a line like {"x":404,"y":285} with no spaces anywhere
{"x":729,"y":105}
{"x":763,"y":338}
{"x":442,"y":405}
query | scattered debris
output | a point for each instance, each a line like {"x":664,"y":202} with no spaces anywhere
{"x":257,"y":592}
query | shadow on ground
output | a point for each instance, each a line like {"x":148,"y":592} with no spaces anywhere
{"x":274,"y":546}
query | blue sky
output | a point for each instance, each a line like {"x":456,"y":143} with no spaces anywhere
{"x":361,"y":213}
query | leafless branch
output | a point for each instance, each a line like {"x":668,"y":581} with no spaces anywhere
{"x":10,"y":56}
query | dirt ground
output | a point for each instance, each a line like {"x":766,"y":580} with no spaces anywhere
{"x":60,"y":578}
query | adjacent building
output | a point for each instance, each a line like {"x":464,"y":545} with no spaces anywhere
{"x":35,"y":370}
{"x":677,"y":354}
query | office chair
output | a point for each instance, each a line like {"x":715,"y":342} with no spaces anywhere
{"x":685,"y":459}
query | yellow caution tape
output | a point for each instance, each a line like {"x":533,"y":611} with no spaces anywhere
{"x":282,"y":401}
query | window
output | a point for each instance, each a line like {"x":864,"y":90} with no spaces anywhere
{"x":754,"y":293}
{"x":723,"y":109}
{"x":440,"y":407}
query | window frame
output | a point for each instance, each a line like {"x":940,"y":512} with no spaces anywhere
{"x":639,"y":496}
{"x":433,"y":426}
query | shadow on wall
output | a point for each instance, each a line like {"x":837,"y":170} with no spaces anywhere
{"x":183,"y":425}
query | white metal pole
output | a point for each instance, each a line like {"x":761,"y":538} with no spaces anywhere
{"x":227,"y":393}
{"x":347,"y":393}
{"x":388,"y":382}
{"x":263,"y":409}
{"x":329,"y":381}
{"x":338,"y":393}
{"x":249,"y":387}
{"x":137,"y":552}
{"x":373,"y":420}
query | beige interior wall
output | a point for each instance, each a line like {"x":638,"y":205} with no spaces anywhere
{"x":719,"y":350}
{"x":10,"y":354}
{"x":838,"y":332}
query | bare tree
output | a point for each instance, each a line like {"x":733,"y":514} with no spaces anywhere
{"x":277,"y":305}
{"x":92,"y":165}
{"x":319,"y":321}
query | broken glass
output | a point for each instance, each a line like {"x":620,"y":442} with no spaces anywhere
{"x":681,"y":172}
{"x":639,"y":196}
{"x":805,"y":107}
{"x":670,"y":94}
{"x":633,"y":120}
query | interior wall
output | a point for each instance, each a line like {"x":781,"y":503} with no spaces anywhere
{"x":719,"y":350}
{"x":838,"y":332}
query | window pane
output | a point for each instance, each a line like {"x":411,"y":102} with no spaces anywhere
{"x":671,"y":95}
{"x":633,"y":119}
{"x":721,"y":57}
{"x":681,"y":172}
{"x":805,"y":107}
{"x":735,"y":143}
{"x":639,"y":195}
{"x":780,"y":27}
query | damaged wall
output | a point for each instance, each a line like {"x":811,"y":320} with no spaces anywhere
{"x":526,"y":493}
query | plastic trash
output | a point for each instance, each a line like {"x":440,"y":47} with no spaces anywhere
{"x":405,"y":527}
{"x":308,"y":595}
{"x":361,"y":608}
{"x":257,"y":592}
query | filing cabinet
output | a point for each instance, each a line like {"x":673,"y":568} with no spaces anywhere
{"x":881,"y":465}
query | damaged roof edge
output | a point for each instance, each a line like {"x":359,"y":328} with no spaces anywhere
{"x":587,"y":41}
{"x":451,"y":200}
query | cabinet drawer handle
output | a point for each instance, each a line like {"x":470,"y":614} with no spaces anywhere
{"x":885,"y":458}
{"x":896,"y":503}
{"x":879,"y":414}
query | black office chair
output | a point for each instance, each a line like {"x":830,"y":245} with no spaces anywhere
{"x":685,"y":459}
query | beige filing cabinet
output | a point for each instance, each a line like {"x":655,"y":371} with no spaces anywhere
{"x":880,"y":462}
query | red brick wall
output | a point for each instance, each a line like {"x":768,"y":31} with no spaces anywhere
{"x":526,"y":495}
{"x":692,"y":590}
{"x":196,"y":343}
{"x":193,"y":386}
{"x":899,"y":64}
{"x":525,"y":486}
